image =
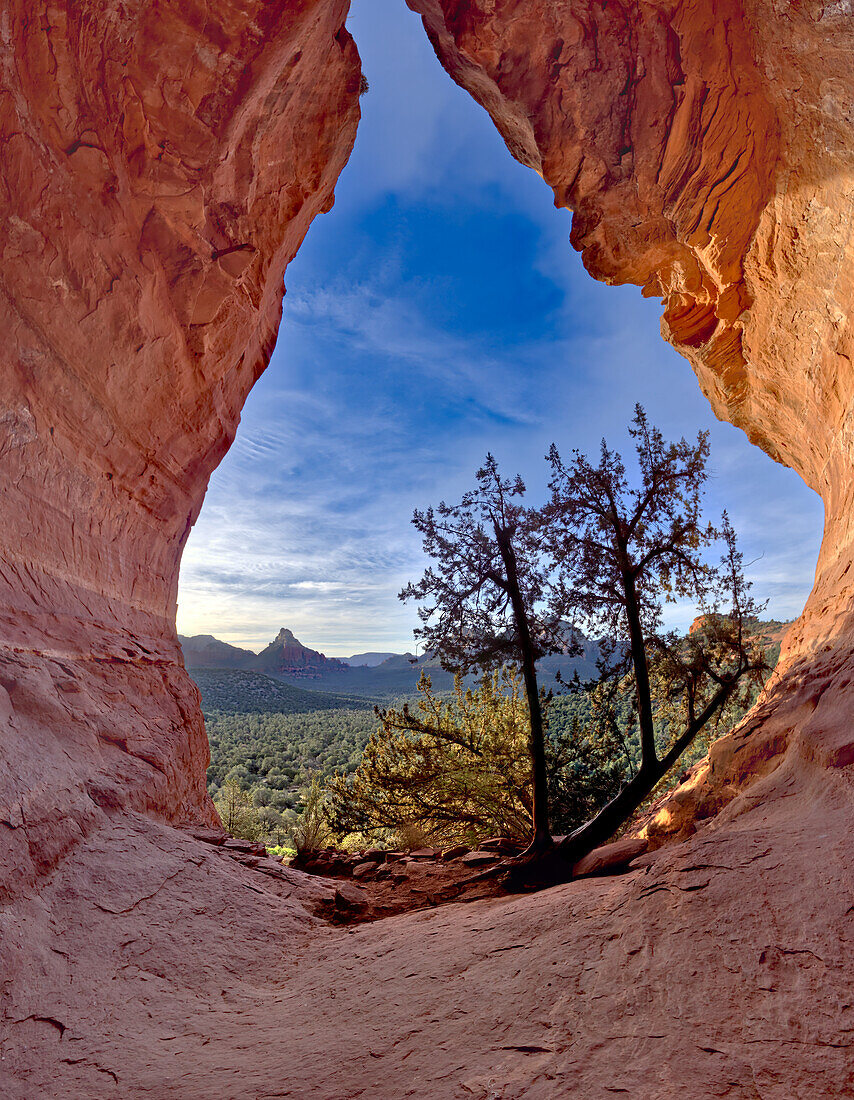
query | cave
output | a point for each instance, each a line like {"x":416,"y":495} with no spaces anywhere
{"x":161,"y":166}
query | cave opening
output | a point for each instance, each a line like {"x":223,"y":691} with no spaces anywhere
{"x":437,"y":312}
{"x":162,"y":162}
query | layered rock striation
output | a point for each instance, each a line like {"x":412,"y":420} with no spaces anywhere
{"x":161,"y":164}
{"x":160,"y":168}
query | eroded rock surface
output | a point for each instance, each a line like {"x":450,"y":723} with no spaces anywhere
{"x":160,"y":166}
{"x":720,"y":969}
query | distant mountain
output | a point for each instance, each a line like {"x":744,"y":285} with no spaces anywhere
{"x":286,"y":657}
{"x":386,"y":674}
{"x":205,"y":651}
{"x":584,"y":663}
{"x":396,"y":675}
{"x":367,"y":660}
{"x":235,"y":691}
{"x":288,"y":661}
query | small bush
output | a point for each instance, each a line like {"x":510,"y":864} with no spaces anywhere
{"x":412,"y":836}
{"x":239,"y":816}
{"x":312,"y":831}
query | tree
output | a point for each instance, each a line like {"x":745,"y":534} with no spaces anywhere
{"x":458,"y":769}
{"x":621,"y":552}
{"x":484,"y":605}
{"x":235,"y":808}
{"x":312,"y":832}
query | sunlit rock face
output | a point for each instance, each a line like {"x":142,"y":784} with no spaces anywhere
{"x":160,"y":166}
{"x":706,"y":149}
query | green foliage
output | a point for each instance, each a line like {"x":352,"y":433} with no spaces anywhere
{"x":458,"y":769}
{"x":454,"y":768}
{"x":282,"y":752}
{"x":238,"y":814}
{"x":312,"y":831}
{"x":607,"y":710}
{"x":274,"y":757}
{"x":235,"y":691}
{"x":487,"y":601}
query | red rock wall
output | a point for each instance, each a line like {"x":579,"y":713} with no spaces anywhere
{"x":706,"y":149}
{"x":160,"y":166}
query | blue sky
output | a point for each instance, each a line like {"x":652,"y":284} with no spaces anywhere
{"x":438,"y":312}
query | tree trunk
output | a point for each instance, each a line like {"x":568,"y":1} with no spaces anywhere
{"x":642,"y":690}
{"x":615,"y":813}
{"x":542,"y":838}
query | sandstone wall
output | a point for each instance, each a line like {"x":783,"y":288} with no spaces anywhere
{"x":160,"y":166}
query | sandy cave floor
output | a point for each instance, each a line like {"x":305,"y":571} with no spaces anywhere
{"x":152,"y":967}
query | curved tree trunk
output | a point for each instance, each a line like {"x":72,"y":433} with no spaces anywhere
{"x":542,"y":838}
{"x":615,"y":813}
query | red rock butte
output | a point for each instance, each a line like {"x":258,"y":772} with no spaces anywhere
{"x":161,"y":164}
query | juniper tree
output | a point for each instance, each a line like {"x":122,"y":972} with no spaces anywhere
{"x":236,"y":810}
{"x":485,"y":602}
{"x":621,"y":551}
{"x":457,"y":768}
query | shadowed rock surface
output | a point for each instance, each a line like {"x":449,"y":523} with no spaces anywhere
{"x":722,"y":968}
{"x":161,"y":165}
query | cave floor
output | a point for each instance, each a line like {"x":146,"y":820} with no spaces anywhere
{"x":149,"y":967}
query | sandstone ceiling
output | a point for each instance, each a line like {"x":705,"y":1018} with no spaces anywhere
{"x":161,"y":163}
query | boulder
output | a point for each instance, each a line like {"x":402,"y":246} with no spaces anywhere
{"x":478,"y":859}
{"x":610,"y":859}
{"x":350,"y":899}
{"x":233,"y":845}
{"x":455,"y":852}
{"x":210,"y":836}
{"x":365,"y":870}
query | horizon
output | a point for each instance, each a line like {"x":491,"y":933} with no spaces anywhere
{"x":361,"y":652}
{"x":438,"y":312}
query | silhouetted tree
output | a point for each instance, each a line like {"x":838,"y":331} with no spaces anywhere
{"x":621,"y":552}
{"x":485,"y":603}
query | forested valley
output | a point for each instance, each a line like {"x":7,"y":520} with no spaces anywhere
{"x":270,"y":741}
